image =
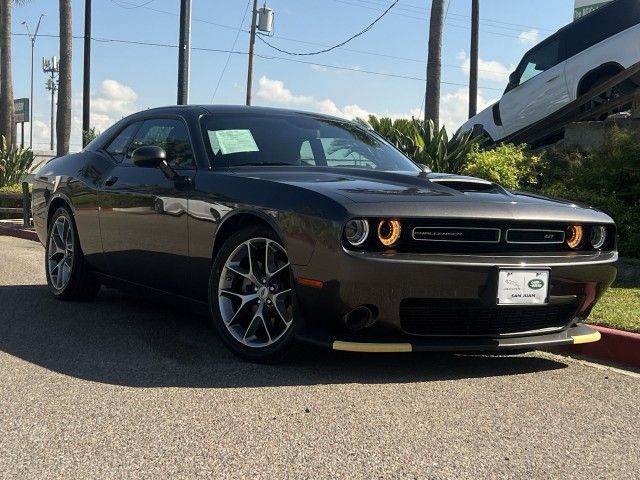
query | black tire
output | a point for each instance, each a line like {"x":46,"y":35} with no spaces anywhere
{"x":611,"y":94}
{"x":281,"y":347}
{"x":81,"y":285}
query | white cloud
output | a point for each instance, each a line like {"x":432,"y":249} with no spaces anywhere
{"x":454,"y":108}
{"x":529,"y":37}
{"x":490,"y":70}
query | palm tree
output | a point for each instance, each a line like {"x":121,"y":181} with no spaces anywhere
{"x":63,"y":112}
{"x":7,"y":113}
{"x":434,"y":63}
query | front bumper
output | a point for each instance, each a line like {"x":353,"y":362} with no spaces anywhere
{"x":383,"y":281}
{"x":574,"y":335}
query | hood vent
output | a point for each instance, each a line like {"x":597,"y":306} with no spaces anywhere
{"x":467,"y":184}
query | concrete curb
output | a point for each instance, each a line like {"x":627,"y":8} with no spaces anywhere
{"x":24,"y":233}
{"x":615,"y":346}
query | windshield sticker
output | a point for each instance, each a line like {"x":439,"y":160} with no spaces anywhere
{"x":233,"y":141}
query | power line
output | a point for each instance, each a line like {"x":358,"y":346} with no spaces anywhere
{"x":233,"y":47}
{"x":267,"y":57}
{"x":341,"y":44}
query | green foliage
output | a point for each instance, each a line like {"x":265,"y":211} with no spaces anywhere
{"x":424,"y":144}
{"x":15,"y":188}
{"x":15,"y":162}
{"x":89,"y":135}
{"x":512,"y":166}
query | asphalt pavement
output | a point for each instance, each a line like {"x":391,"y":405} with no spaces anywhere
{"x":124,"y":387}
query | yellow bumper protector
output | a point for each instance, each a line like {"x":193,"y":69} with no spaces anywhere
{"x":588,"y":338}
{"x":371,"y":347}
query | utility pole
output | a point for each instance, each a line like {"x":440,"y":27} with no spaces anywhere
{"x":473,"y":71}
{"x":252,"y":46}
{"x":51,"y":67}
{"x":33,"y":44}
{"x":86,"y":81}
{"x":184,"y":52}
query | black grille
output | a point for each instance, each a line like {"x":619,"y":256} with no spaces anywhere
{"x":419,"y":316}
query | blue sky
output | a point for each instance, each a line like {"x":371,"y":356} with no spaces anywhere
{"x":126,"y":77}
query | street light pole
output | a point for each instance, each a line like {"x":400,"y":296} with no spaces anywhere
{"x":473,"y":60}
{"x":86,"y":81}
{"x":33,"y":44}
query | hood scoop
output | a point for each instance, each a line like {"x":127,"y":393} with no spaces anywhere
{"x":466,"y":184}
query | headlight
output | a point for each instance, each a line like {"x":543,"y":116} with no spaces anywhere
{"x":389,"y":232}
{"x":574,"y":236}
{"x":356,"y":232}
{"x":598,"y":236}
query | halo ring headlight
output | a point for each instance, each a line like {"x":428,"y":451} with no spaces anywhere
{"x":575,"y":233}
{"x":389,"y":232}
{"x":598,"y":236}
{"x":356,"y":232}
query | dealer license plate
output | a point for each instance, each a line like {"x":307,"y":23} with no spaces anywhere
{"x":523,"y":287}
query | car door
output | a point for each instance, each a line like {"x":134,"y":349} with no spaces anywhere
{"x":143,"y":214}
{"x":536,"y":89}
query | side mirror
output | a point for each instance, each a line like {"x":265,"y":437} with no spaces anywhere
{"x":148,"y":156}
{"x":513,"y":80}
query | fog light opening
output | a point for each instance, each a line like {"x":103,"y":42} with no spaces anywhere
{"x":389,"y":232}
{"x":575,"y":233}
{"x":360,"y":318}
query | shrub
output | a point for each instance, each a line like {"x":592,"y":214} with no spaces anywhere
{"x":15,"y":162}
{"x":424,"y":144}
{"x":511,"y":166}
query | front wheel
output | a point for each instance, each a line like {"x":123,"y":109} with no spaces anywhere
{"x":251,"y":295}
{"x":68,"y":274}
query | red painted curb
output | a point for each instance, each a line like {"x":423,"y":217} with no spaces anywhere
{"x":614,"y":346}
{"x":19,"y":233}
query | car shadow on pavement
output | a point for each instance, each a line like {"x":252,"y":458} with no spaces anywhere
{"x":125,"y":340}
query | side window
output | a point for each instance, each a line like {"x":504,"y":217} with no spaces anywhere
{"x":540,"y":60}
{"x":169,"y":134}
{"x":118,"y":146}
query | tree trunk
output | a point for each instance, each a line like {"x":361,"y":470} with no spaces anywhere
{"x":6,"y":82}
{"x":63,"y":112}
{"x":473,"y":57}
{"x":434,"y":63}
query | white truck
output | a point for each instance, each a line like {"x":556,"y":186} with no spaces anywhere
{"x":566,"y":66}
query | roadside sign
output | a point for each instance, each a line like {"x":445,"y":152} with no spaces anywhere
{"x":21,"y":107}
{"x":583,"y":7}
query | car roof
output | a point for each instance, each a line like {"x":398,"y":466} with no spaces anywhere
{"x":234,"y":109}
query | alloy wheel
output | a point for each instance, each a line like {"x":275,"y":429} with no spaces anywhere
{"x":60,"y":252}
{"x":254,"y":293}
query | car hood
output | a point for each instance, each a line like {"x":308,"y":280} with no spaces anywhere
{"x":365,"y":186}
{"x":373,"y":193}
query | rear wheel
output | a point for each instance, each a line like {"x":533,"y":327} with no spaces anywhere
{"x":611,"y":94}
{"x":68,"y":275}
{"x":251,"y":295}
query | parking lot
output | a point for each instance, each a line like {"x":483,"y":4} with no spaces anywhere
{"x":123,"y":387}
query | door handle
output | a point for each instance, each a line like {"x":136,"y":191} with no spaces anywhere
{"x":110,"y":181}
{"x":552,"y":79}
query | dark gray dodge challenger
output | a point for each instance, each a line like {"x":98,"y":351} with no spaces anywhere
{"x":290,"y":226}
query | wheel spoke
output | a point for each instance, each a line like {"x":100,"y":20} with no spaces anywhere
{"x":253,"y":326}
{"x":273,"y":274}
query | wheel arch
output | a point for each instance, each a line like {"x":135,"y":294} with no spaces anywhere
{"x":242,"y":219}
{"x":58,"y":201}
{"x":606,"y":70}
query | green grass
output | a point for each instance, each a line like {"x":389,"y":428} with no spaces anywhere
{"x":618,"y":308}
{"x":16,"y":188}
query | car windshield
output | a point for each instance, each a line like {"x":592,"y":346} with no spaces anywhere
{"x":298,"y":140}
